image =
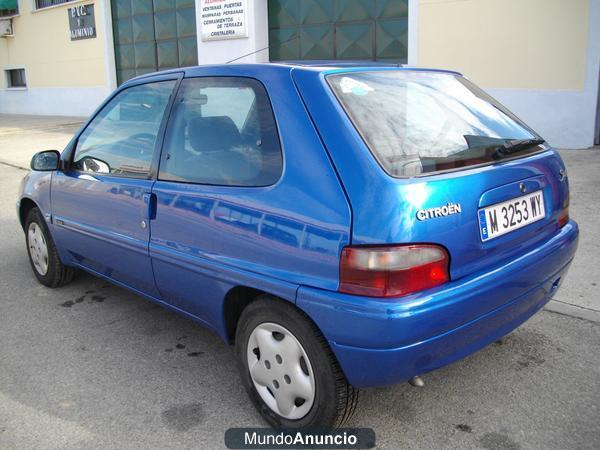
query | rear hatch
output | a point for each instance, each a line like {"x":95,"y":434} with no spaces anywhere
{"x":427,"y":157}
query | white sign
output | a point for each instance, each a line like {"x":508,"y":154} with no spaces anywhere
{"x":222,"y":19}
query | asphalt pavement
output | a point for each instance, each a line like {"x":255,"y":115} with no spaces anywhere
{"x":91,"y":365}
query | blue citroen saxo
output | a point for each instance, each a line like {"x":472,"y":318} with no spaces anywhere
{"x":342,"y":226}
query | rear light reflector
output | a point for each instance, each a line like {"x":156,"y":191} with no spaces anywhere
{"x":392,"y":271}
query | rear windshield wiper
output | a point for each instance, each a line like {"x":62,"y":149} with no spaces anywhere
{"x":515,"y":145}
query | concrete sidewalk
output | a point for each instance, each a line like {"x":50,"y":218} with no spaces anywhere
{"x":22,"y":136}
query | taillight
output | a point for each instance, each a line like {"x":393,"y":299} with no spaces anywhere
{"x":563,"y":217}
{"x":392,"y":271}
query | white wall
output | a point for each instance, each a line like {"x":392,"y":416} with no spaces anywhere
{"x":413,"y":33}
{"x":565,"y":118}
{"x":220,"y":52}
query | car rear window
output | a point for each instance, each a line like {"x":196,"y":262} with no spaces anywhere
{"x":420,"y":122}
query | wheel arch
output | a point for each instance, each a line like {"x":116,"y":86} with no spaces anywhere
{"x":239,"y":297}
{"x":26,"y":204}
{"x":236,"y":299}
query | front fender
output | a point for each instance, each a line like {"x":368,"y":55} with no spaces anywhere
{"x":36,"y":187}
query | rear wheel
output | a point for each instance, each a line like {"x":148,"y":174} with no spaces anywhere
{"x":288,"y":369}
{"x":43,"y":256}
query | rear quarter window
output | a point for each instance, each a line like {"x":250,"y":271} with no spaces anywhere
{"x":222,"y":132}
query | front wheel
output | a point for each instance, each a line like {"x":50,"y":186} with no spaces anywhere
{"x":288,"y":370}
{"x":43,"y":256}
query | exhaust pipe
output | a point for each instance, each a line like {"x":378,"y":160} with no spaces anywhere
{"x":417,"y":381}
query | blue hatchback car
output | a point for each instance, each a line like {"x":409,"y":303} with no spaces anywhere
{"x":342,"y":226}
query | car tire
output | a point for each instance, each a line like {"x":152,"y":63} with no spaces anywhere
{"x":43,"y":256}
{"x":272,"y":339}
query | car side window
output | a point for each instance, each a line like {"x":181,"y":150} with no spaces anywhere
{"x":120,"y":139}
{"x":222,"y":132}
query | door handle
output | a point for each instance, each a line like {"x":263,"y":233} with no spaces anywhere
{"x":148,"y":207}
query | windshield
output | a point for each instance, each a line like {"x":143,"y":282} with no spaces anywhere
{"x":418,"y":122}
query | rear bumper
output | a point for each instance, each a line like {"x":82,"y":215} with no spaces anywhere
{"x":383,"y":342}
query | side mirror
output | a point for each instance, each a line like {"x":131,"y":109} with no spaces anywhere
{"x":45,"y":161}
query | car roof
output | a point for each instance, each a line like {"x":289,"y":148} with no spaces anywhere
{"x":251,"y":70}
{"x":340,"y":63}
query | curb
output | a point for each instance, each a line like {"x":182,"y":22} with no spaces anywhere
{"x":567,"y":309}
{"x":14,"y":165}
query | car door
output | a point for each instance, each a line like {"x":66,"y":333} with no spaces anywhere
{"x":220,"y":154}
{"x":101,"y":202}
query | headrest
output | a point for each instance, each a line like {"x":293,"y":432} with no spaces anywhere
{"x":209,"y":134}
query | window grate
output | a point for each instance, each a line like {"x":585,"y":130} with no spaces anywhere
{"x":39,"y":4}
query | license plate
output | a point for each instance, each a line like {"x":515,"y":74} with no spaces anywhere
{"x":502,"y":218}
